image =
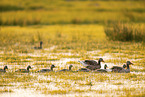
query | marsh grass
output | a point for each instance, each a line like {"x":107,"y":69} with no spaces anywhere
{"x":118,"y":83}
{"x":125,"y":32}
{"x":74,"y":42}
{"x":5,"y":90}
{"x":13,"y":77}
{"x":116,"y":61}
{"x":66,"y":91}
{"x":72,"y":62}
{"x":42,"y":63}
{"x":75,"y":12}
{"x":53,"y":92}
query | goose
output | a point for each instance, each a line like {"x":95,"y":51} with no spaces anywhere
{"x":92,"y":64}
{"x":84,"y":70}
{"x":24,"y":70}
{"x":40,"y":47}
{"x":115,"y":68}
{"x":102,"y":70}
{"x":70,"y":66}
{"x":47,"y":70}
{"x":4,"y":70}
{"x":122,"y":69}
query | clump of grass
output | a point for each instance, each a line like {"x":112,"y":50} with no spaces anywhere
{"x":72,"y":62}
{"x":63,"y":91}
{"x":53,"y":59}
{"x":5,"y":90}
{"x":118,"y":83}
{"x":13,"y":77}
{"x":45,"y":91}
{"x":10,"y":8}
{"x":42,"y":63}
{"x":101,"y":77}
{"x":131,"y":92}
{"x":125,"y":32}
{"x":44,"y":81}
{"x":2,"y":85}
{"x":69,"y":56}
{"x":116,"y":61}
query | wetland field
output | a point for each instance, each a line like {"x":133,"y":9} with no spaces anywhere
{"x":72,"y":31}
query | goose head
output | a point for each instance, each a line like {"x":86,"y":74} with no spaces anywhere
{"x":101,"y":60}
{"x":29,"y":67}
{"x":52,"y":66}
{"x":129,"y":63}
{"x":70,"y":66}
{"x":6,"y":67}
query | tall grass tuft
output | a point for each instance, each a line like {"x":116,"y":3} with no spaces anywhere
{"x":125,"y":32}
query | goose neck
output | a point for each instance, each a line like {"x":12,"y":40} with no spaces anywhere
{"x":69,"y":68}
{"x":51,"y":68}
{"x":127,"y":66}
{"x":27,"y":68}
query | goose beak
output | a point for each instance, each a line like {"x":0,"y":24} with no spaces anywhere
{"x":103,"y":61}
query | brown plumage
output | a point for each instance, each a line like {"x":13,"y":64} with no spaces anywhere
{"x":24,"y":70}
{"x":122,"y":69}
{"x":92,"y":64}
{"x":47,"y":70}
{"x":40,"y":47}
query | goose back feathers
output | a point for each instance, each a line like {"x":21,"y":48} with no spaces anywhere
{"x":92,"y":64}
{"x":47,"y":70}
{"x":24,"y":70}
{"x":70,"y":66}
{"x":122,"y":69}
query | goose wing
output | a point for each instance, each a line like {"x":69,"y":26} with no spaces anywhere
{"x":64,"y":70}
{"x":84,"y":70}
{"x":92,"y":67}
{"x":83,"y":63}
{"x":101,"y":70}
{"x":46,"y":70}
{"x":91,"y":62}
{"x":117,"y":67}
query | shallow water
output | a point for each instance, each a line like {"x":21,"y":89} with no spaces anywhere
{"x":62,"y":63}
{"x":23,"y":93}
